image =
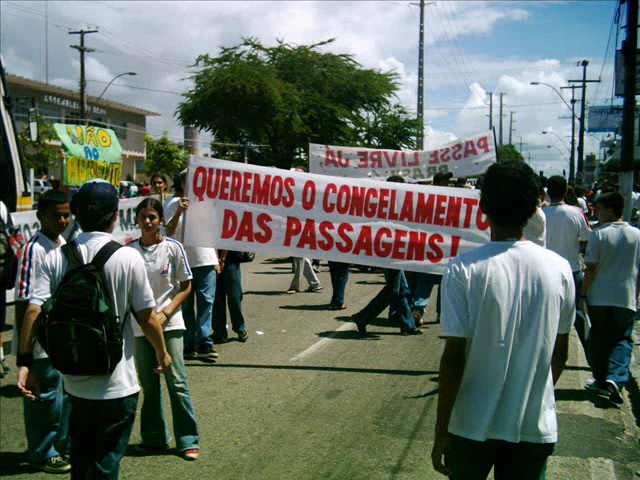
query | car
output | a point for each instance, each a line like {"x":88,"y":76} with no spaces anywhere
{"x":40,"y":186}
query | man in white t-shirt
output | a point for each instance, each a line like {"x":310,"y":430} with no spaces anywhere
{"x":197,"y":309}
{"x":46,"y":419}
{"x":567,"y":234}
{"x":507,"y":309}
{"x":103,"y":407}
{"x":611,"y":289}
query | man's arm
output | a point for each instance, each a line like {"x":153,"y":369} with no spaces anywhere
{"x":183,"y":204}
{"x":589,"y":276}
{"x":26,"y":384}
{"x":168,"y":311}
{"x":452,"y":366}
{"x":153,"y":331}
{"x":560,"y":356}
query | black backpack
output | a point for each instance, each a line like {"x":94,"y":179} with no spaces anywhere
{"x":78,"y":326}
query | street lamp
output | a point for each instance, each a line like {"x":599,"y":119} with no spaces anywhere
{"x":133,"y":74}
{"x":573,"y":126}
{"x":561,"y":154}
{"x":545,"y":132}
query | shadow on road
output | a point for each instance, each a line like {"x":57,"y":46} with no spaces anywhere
{"x":314,"y":308}
{"x":582,"y":395}
{"x":378,"y":371}
{"x":271,"y":273}
{"x":579,"y":368}
{"x":272,"y":293}
{"x":14,"y":463}
{"x":10,"y":391}
{"x":424,"y":395}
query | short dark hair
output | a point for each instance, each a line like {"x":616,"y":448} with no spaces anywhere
{"x":396,"y":179}
{"x":556,"y":187}
{"x":95,"y":205}
{"x":150,"y":202}
{"x":50,"y":198}
{"x":157,"y":175}
{"x":612,"y":200}
{"x":509,"y":194}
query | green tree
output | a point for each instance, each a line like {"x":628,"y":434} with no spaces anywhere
{"x":508,"y":153}
{"x":41,"y":154}
{"x":164,"y":156}
{"x":287,"y":96}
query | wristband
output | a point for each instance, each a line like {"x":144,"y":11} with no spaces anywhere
{"x":25,"y":360}
{"x":166,"y":314}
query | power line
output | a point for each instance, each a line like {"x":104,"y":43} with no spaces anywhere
{"x":138,"y":88}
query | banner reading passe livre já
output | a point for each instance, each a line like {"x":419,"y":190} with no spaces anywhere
{"x":464,"y":157}
{"x":362,"y":221}
{"x":90,"y":152}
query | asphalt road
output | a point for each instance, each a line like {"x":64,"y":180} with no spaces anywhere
{"x":307,"y":398}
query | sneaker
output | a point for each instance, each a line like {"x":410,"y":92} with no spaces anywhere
{"x":614,"y":392}
{"x":207,"y":353}
{"x":243,"y":336}
{"x":594,"y":386}
{"x":142,"y":449}
{"x":337,"y":307}
{"x":414,"y":331}
{"x":317,"y":288}
{"x":190,"y":355}
{"x":316,"y":269}
{"x":5,"y":365}
{"x":291,"y":291}
{"x":417,"y":318}
{"x":191,"y":455}
{"x":55,"y":464}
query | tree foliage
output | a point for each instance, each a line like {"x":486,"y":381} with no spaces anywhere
{"x":41,"y":154}
{"x":164,"y":156}
{"x":287,"y":96}
{"x":508,"y":153}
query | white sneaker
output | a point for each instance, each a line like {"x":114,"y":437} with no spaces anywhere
{"x":594,"y":387}
{"x":614,"y":392}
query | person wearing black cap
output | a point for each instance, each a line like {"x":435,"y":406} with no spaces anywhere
{"x":103,"y":407}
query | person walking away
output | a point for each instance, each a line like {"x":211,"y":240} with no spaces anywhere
{"x":46,"y":419}
{"x":536,"y":227}
{"x":302,"y":266}
{"x":170,"y":278}
{"x":507,"y":310}
{"x":567,"y":234}
{"x":611,"y":289}
{"x":197,"y":309}
{"x":103,"y":407}
{"x":339,"y":278}
{"x":229,"y":294}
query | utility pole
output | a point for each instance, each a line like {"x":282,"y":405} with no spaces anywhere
{"x":420,"y":138}
{"x":500,"y":120}
{"x":490,"y":110}
{"x":629,"y":48}
{"x":572,"y":158}
{"x":584,"y":82}
{"x":521,"y":144}
{"x":83,"y":82}
{"x":510,"y":128}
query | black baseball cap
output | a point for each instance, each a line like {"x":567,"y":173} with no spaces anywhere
{"x":442,"y":177}
{"x":96,"y":198}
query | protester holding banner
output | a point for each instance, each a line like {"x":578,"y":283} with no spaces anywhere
{"x":159,"y":186}
{"x":170,"y":278}
{"x":198,"y":306}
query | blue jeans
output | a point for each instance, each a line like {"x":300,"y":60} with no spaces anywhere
{"x":472,"y":460}
{"x":153,"y":426}
{"x":395,"y":295}
{"x":339,"y":277}
{"x":228,"y":292}
{"x":46,"y":419}
{"x":203,"y":291}
{"x":421,"y":286}
{"x":610,"y":343}
{"x":100,"y":431}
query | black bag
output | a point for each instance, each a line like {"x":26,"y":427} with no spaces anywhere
{"x":78,"y":327}
{"x":240,"y":257}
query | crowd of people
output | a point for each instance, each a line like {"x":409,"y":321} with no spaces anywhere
{"x":548,"y":261}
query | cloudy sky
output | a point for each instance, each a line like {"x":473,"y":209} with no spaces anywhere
{"x":472,"y":48}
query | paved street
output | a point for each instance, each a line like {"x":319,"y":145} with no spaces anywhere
{"x":307,"y":398}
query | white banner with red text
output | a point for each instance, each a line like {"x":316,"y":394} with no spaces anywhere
{"x":361,"y":221}
{"x":463,"y":158}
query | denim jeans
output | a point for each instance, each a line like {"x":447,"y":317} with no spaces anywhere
{"x":610,"y":343}
{"x":153,"y":425}
{"x":203,"y":291}
{"x":339,"y":277}
{"x":228,"y":293}
{"x":100,"y":431}
{"x":472,"y":460}
{"x":302,"y":266}
{"x":46,"y":419}
{"x":421,"y":286}
{"x":395,"y":295}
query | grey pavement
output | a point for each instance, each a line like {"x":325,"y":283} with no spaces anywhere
{"x":307,"y":398}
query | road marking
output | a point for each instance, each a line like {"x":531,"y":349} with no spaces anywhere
{"x":602,"y":469}
{"x":320,"y":344}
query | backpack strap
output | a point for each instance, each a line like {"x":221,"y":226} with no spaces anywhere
{"x":104,"y":254}
{"x":70,"y":251}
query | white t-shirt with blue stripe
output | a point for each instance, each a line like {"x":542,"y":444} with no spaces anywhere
{"x":167,"y":266}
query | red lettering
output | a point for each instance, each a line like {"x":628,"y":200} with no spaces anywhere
{"x":456,"y":149}
{"x":482,"y":222}
{"x":224,"y":185}
{"x":453,"y":212}
{"x":435,"y":255}
{"x":469,"y":203}
{"x":483,"y":144}
{"x":229,"y":224}
{"x":434,"y":158}
{"x":327,"y":206}
{"x":308,"y":235}
{"x":399,"y":245}
{"x":245,"y":229}
{"x":444,"y":156}
{"x":380,"y":246}
{"x":246,"y":188}
{"x":266,"y":234}
{"x":289,"y":199}
{"x":406,"y":214}
{"x":376,"y":159}
{"x":294,"y":227}
{"x":455,"y":244}
{"x":469,"y":148}
{"x":363,"y":158}
{"x":200,"y":183}
{"x":364,"y":243}
{"x":416,"y":159}
{"x":330,"y":159}
{"x":343,"y":232}
{"x":326,"y":242}
{"x":417,"y":243}
{"x":236,"y":186}
{"x":438,"y":218}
